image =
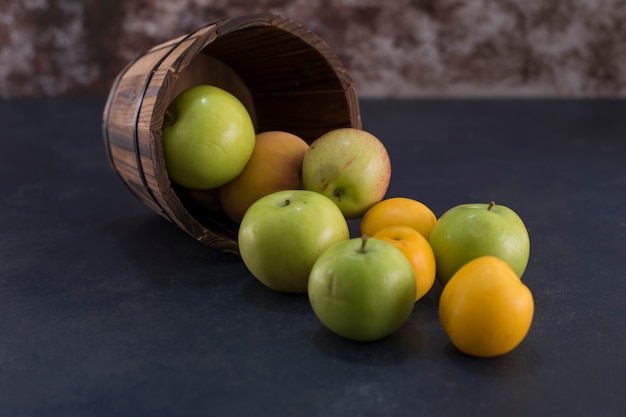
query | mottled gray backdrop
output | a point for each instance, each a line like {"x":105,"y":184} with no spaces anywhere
{"x":399,"y":48}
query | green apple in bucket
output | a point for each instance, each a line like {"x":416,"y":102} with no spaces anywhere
{"x":351,"y":167}
{"x":469,"y":231}
{"x":208,"y":137}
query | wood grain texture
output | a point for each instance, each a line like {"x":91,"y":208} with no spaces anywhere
{"x":285,"y":74}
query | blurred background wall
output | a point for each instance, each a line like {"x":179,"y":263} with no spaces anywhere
{"x":391,"y":48}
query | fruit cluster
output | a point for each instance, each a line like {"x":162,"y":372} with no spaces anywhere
{"x":293,"y":200}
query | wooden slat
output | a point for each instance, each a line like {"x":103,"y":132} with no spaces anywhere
{"x":286,"y":76}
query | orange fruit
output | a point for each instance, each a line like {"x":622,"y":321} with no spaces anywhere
{"x":485,"y":308}
{"x":398,"y":211}
{"x":417,"y":250}
{"x":275,"y":165}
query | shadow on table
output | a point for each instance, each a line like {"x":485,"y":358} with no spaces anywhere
{"x":260,"y":296}
{"x":523,"y":360}
{"x":158,"y":252}
{"x":397,"y":347}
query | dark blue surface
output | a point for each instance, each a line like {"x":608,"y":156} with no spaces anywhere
{"x":106,"y":309}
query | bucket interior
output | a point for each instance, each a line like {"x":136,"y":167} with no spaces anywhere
{"x":285,"y":82}
{"x":294,"y":86}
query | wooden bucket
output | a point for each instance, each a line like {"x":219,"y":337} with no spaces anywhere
{"x":286,"y":76}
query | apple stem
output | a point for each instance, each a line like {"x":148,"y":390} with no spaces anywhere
{"x":493,"y":203}
{"x":363,"y":243}
{"x":287,"y":202}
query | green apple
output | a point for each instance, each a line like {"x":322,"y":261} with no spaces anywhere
{"x":468,"y":231}
{"x":208,"y":137}
{"x":362,"y":289}
{"x":283,"y":233}
{"x":349,"y":166}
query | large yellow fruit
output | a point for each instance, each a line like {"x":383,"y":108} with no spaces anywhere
{"x":485,"y":308}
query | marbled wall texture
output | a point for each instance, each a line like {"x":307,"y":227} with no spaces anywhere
{"x":400,"y":48}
